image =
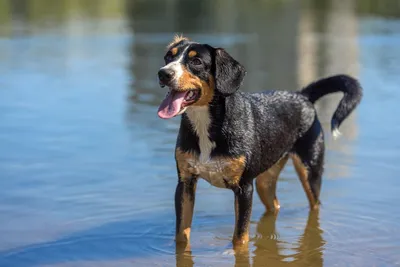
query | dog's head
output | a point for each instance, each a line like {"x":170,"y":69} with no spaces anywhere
{"x":195,"y":73}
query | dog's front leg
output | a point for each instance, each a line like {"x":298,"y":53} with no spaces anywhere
{"x":243,"y":205}
{"x":184,"y":204}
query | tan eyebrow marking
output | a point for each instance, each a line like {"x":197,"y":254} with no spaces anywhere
{"x":174,"y":51}
{"x":192,"y":53}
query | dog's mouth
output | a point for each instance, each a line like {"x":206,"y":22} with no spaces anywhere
{"x":175,"y":102}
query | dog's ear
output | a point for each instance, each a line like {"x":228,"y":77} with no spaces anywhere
{"x":229,"y":73}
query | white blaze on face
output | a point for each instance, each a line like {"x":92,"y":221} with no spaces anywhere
{"x":176,"y":66}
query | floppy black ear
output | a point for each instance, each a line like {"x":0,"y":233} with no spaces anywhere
{"x":229,"y":73}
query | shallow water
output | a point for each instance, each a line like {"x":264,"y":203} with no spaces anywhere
{"x":86,"y":166}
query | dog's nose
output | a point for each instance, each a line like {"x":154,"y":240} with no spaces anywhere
{"x":165,"y":75}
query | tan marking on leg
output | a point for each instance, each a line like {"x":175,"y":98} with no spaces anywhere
{"x":183,"y":234}
{"x":302,"y":172}
{"x":266,"y":185}
{"x":187,"y":202}
{"x":186,"y":232}
{"x":183,"y":165}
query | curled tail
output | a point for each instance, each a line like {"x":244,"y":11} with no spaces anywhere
{"x":351,"y":89}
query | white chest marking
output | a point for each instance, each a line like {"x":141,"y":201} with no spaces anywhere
{"x":200,"y":119}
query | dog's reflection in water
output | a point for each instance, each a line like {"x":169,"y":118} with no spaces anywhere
{"x":269,"y":249}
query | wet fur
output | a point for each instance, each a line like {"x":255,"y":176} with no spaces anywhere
{"x":263,"y":129}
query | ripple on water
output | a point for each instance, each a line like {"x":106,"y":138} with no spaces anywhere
{"x":361,"y":234}
{"x":112,"y":241}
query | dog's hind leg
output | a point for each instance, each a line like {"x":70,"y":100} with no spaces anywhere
{"x":266,"y":185}
{"x":308,"y":161}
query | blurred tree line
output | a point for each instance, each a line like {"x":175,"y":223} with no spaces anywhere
{"x":41,"y":11}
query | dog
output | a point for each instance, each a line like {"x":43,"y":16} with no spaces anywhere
{"x":229,"y":137}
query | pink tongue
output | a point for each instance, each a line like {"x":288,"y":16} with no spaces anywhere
{"x":171,"y":105}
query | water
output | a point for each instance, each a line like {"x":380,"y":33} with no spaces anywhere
{"x":86,"y":166}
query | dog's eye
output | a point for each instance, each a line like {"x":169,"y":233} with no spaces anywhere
{"x":196,"y":61}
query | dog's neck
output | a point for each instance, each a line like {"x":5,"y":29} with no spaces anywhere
{"x":200,"y":120}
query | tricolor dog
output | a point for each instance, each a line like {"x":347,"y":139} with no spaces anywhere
{"x":229,"y":137}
